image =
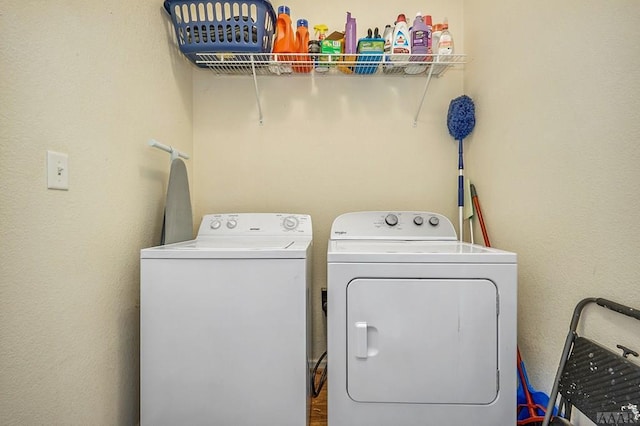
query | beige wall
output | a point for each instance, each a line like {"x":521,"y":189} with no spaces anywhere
{"x":94,"y":80}
{"x":555,"y":156}
{"x":328,"y":145}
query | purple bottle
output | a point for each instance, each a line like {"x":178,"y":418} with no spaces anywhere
{"x":350,"y":36}
{"x":420,"y":36}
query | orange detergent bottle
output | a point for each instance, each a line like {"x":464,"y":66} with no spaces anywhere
{"x":302,"y":47}
{"x":284,"y":42}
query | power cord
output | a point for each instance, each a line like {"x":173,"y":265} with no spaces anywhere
{"x":317,"y":388}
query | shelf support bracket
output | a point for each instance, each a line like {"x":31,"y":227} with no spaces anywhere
{"x":424,"y":94}
{"x":255,"y":85}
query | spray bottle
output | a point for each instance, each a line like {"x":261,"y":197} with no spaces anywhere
{"x":320,"y":31}
{"x":321,"y":34}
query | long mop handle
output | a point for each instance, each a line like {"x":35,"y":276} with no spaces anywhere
{"x":468,"y":208}
{"x":460,"y":190}
{"x":476,"y":204}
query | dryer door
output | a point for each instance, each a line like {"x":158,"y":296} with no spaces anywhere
{"x":422,"y":341}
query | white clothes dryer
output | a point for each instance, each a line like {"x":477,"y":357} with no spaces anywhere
{"x":225,"y":324}
{"x":421,"y":327}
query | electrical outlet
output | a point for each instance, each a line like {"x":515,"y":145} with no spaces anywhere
{"x":57,"y":170}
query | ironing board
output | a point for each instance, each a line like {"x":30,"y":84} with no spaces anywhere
{"x":178,"y":219}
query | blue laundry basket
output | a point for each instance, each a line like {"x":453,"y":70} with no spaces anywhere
{"x":206,"y":26}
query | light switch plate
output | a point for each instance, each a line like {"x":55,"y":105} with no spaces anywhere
{"x":57,"y":170}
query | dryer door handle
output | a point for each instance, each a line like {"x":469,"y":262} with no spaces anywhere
{"x":362,"y":347}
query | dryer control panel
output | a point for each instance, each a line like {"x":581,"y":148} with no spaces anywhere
{"x":246,"y":224}
{"x":404,"y":225}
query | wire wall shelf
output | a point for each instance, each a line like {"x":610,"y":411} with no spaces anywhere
{"x":302,"y":64}
{"x":364,"y":65}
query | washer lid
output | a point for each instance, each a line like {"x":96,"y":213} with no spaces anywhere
{"x":233,"y":248}
{"x":393,"y":251}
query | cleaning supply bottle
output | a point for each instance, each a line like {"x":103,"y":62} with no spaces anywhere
{"x":302,"y":47}
{"x":321,"y":34}
{"x":350,"y":35}
{"x":419,"y":39}
{"x":419,"y":45}
{"x":445,"y":44}
{"x":387,"y":35}
{"x":435,"y":39}
{"x":320,"y":31}
{"x":314,"y":50}
{"x":284,"y":42}
{"x":350,"y":45}
{"x":400,"y":43}
{"x":429,"y":23}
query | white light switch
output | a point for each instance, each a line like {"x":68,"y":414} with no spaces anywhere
{"x":57,"y":170}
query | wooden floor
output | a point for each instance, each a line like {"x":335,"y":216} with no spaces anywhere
{"x":319,"y":407}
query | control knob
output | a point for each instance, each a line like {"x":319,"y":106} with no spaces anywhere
{"x":391,"y":219}
{"x":215,"y":224}
{"x":418,"y":220}
{"x":232,"y":223}
{"x":290,"y":223}
{"x":434,"y":221}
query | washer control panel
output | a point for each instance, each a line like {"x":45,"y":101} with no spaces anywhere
{"x":267,"y":224}
{"x":402,"y":225}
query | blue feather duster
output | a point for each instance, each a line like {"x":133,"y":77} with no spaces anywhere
{"x":461,"y":120}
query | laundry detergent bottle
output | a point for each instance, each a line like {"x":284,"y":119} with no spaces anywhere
{"x":400,"y":47}
{"x":284,"y":42}
{"x":303,"y":61}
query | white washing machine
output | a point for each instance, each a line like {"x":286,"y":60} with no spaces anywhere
{"x":421,"y":327}
{"x":225,"y":324}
